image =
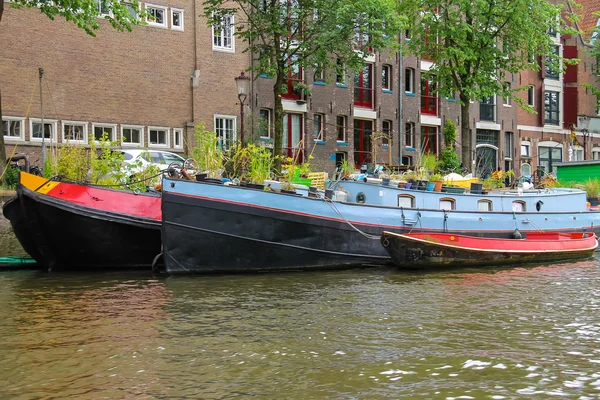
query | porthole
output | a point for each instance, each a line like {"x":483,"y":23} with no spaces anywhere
{"x":361,"y":197}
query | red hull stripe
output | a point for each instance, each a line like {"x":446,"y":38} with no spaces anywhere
{"x":116,"y":201}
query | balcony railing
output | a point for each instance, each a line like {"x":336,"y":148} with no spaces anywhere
{"x":363,"y":97}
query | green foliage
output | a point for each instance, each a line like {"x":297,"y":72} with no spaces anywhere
{"x":449,"y":133}
{"x":271,"y":32}
{"x":85,"y":13}
{"x":480,"y":41}
{"x":11,"y":177}
{"x":449,"y":161}
{"x":105,"y":163}
{"x":428,"y":162}
{"x":207,"y":153}
{"x":592,"y":187}
{"x":260,"y":163}
{"x":72,"y":162}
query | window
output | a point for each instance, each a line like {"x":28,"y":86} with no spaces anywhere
{"x":340,"y":73}
{"x":386,"y":127}
{"x":265,"y":123}
{"x":552,"y":65}
{"x":102,"y":7}
{"x":132,"y":135}
{"x":225,"y":129}
{"x":506,"y":99}
{"x":484,"y":205}
{"x":429,"y":99}
{"x":518,"y":206}
{"x":156,"y":15}
{"x":406,"y":201}
{"x":577,"y":154}
{"x":447,"y":204}
{"x":74,"y":131}
{"x":525,"y":150}
{"x":407,"y":34}
{"x":409,"y":80}
{"x":223,"y":34}
{"x":176,"y":19}
{"x":363,"y":87}
{"x":552,"y":31}
{"x":12,"y":128}
{"x":526,"y":169}
{"x":133,"y":10}
{"x":386,"y":77}
{"x":101,"y":130}
{"x":158,"y":137}
{"x":548,"y":156}
{"x":429,"y":140}
{"x":36,"y":129}
{"x":508,"y":145}
{"x":409,"y":134}
{"x":552,"y":111}
{"x":169,"y":158}
{"x":487,"y":109}
{"x":318,"y":131}
{"x":341,"y":128}
{"x":531,"y":96}
{"x":294,"y":76}
{"x":595,"y":153}
{"x":178,"y":138}
{"x":319,"y":75}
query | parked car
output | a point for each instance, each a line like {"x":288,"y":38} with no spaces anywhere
{"x":140,"y":159}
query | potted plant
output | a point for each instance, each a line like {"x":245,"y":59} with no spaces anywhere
{"x":592,"y":187}
{"x":260,"y":164}
{"x":438,"y":180}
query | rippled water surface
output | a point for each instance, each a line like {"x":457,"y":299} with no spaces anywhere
{"x":525,"y":332}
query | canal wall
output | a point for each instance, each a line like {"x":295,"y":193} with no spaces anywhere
{"x":9,"y":245}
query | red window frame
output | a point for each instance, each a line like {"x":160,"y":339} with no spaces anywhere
{"x":363,"y":87}
{"x":429,"y":100}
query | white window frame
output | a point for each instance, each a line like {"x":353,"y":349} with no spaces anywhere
{"x":84,"y":139}
{"x":167,"y":134}
{"x":389,"y":77}
{"x":177,"y":131}
{"x":99,"y":9}
{"x":12,"y":120}
{"x":112,"y":137}
{"x":230,"y":49}
{"x":532,"y":89}
{"x":128,"y":144}
{"x":220,"y":139}
{"x":321,"y":135}
{"x":52,"y":122}
{"x":175,"y":11}
{"x":165,"y":23}
{"x":526,"y":144}
{"x":595,"y":153}
{"x":268,"y":121}
{"x":410,"y":89}
{"x":131,"y":7}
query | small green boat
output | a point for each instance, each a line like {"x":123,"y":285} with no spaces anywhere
{"x":17,"y":262}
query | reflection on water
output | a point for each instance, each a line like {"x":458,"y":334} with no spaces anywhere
{"x":507,"y":333}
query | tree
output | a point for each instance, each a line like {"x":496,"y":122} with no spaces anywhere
{"x":83,"y":13}
{"x":286,"y":35}
{"x":473,"y":43}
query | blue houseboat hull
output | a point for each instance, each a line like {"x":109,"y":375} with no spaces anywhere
{"x":215,"y":228}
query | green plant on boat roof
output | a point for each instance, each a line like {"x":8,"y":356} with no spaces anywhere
{"x":208,"y":152}
{"x":592,"y":187}
{"x":260,"y":163}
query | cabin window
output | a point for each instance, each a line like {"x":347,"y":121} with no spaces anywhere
{"x":406,"y":201}
{"x":484,"y":205}
{"x":518,"y":206}
{"x":447,"y":204}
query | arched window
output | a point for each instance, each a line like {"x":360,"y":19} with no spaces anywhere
{"x":526,"y":169}
{"x":406,"y":201}
{"x":518,"y":206}
{"x":484,"y":205}
{"x":447,"y":203}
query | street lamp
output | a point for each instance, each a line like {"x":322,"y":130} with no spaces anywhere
{"x":583,"y":122}
{"x":243,"y":87}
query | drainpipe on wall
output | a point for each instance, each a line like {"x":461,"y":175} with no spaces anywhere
{"x":400,"y":98}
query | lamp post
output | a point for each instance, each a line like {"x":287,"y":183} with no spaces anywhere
{"x":243,"y":87}
{"x":583,"y":121}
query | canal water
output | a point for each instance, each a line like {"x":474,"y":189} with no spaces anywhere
{"x":499,"y":333}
